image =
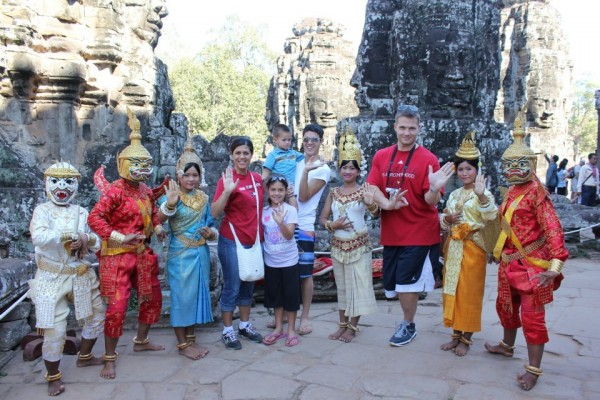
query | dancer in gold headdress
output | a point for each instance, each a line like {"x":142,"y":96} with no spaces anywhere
{"x":467,"y":211}
{"x":125,"y":218}
{"x":532,"y":252}
{"x":188,"y":262}
{"x":350,"y":245}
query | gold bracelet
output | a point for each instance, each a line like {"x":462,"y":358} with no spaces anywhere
{"x":556,"y":265}
{"x":373,"y":207}
{"x":169,"y":208}
{"x":116,"y":237}
{"x":484,"y":204}
{"x":329,"y":227}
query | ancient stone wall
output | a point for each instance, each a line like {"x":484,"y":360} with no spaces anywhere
{"x":312,"y":80}
{"x":536,"y":69}
{"x":68,"y":71}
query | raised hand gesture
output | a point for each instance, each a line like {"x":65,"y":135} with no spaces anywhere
{"x":279,"y":214}
{"x":438,"y":179}
{"x":369,"y":194}
{"x":172,"y":192}
{"x":313,"y":162}
{"x":479,"y":186}
{"x":397,"y":200}
{"x":228,"y":184}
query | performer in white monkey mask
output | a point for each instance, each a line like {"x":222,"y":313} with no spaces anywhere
{"x":62,"y":237}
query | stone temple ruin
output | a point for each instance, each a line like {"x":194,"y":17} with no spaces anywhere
{"x":467,"y":65}
{"x":312,"y":84}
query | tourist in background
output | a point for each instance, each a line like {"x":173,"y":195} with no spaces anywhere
{"x":468,"y":210}
{"x":282,"y":279}
{"x":561,"y":173}
{"x":587,"y":185}
{"x":551,"y":177}
{"x":239,"y":198}
{"x":575,"y":180}
{"x":188,"y":258}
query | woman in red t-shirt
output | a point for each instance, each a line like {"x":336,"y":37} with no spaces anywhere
{"x":239,"y":196}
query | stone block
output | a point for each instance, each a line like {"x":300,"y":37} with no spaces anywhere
{"x":14,"y":274}
{"x":21,"y":311}
{"x":12,"y":332}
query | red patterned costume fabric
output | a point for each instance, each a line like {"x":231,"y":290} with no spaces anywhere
{"x":126,"y":209}
{"x":538,"y":229}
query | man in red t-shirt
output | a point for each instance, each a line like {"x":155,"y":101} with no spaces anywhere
{"x":410,"y":235}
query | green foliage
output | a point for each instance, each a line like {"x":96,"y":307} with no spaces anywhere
{"x":224,"y":87}
{"x":583,"y":122}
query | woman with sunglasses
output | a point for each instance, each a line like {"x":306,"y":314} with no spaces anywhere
{"x":239,"y":198}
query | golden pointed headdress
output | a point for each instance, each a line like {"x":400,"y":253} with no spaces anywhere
{"x":135,"y":149}
{"x":349,"y":148}
{"x":62,"y":169}
{"x":189,"y":155}
{"x":467,"y":149}
{"x":518,"y":149}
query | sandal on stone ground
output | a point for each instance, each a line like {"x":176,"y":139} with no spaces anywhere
{"x":292,"y":341}
{"x":305,"y":328}
{"x":272,"y":338}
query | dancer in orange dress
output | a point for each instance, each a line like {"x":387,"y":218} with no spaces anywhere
{"x":532,"y":252}
{"x":125,"y":218}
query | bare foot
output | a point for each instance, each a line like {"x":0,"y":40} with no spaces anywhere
{"x":499,"y":349}
{"x":337,"y":334}
{"x":108,"y":372}
{"x":451,"y":345}
{"x":147,"y":347}
{"x":527,"y":380}
{"x":203,"y":350}
{"x":55,"y":387}
{"x":90,"y":362}
{"x":193,"y":352}
{"x":347,"y":336}
{"x":461,"y":349}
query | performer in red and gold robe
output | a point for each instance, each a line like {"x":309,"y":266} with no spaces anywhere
{"x":532,"y":252}
{"x":125,"y":218}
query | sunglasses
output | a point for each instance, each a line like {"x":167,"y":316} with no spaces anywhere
{"x":407,"y":107}
{"x":277,"y":178}
{"x":311,"y":140}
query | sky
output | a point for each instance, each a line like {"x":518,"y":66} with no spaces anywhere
{"x":190,"y":22}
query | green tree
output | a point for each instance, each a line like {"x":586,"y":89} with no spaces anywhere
{"x":224,"y":87}
{"x":583,"y":121}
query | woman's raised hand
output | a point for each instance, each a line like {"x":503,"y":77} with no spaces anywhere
{"x":172,"y":192}
{"x":479,"y":186}
{"x":369,"y":194}
{"x":342,"y":223}
{"x":228,"y":184}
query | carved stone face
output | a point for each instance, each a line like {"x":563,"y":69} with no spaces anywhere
{"x":323,"y":105}
{"x":542,"y":111}
{"x":145,"y":17}
{"x":449,"y":70}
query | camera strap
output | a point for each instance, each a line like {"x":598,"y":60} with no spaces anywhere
{"x":410,"y":154}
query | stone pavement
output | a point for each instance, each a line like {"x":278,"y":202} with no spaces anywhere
{"x":367,"y":368}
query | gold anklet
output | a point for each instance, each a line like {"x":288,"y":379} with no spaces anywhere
{"x":112,"y":358}
{"x":142,"y":342}
{"x":185,"y":345}
{"x":352,"y":327}
{"x":507,"y":347}
{"x":455,"y":336}
{"x":191,"y":338}
{"x":52,"y":378}
{"x":343,"y":324}
{"x":533,"y":370}
{"x":84,"y":357}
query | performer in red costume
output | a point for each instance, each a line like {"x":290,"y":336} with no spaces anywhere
{"x":125,"y":218}
{"x":531,"y":250}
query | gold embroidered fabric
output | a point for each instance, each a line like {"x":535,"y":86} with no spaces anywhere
{"x":350,"y":250}
{"x":191,"y":243}
{"x":196,"y":200}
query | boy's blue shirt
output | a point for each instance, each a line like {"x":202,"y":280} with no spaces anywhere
{"x":283,"y":162}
